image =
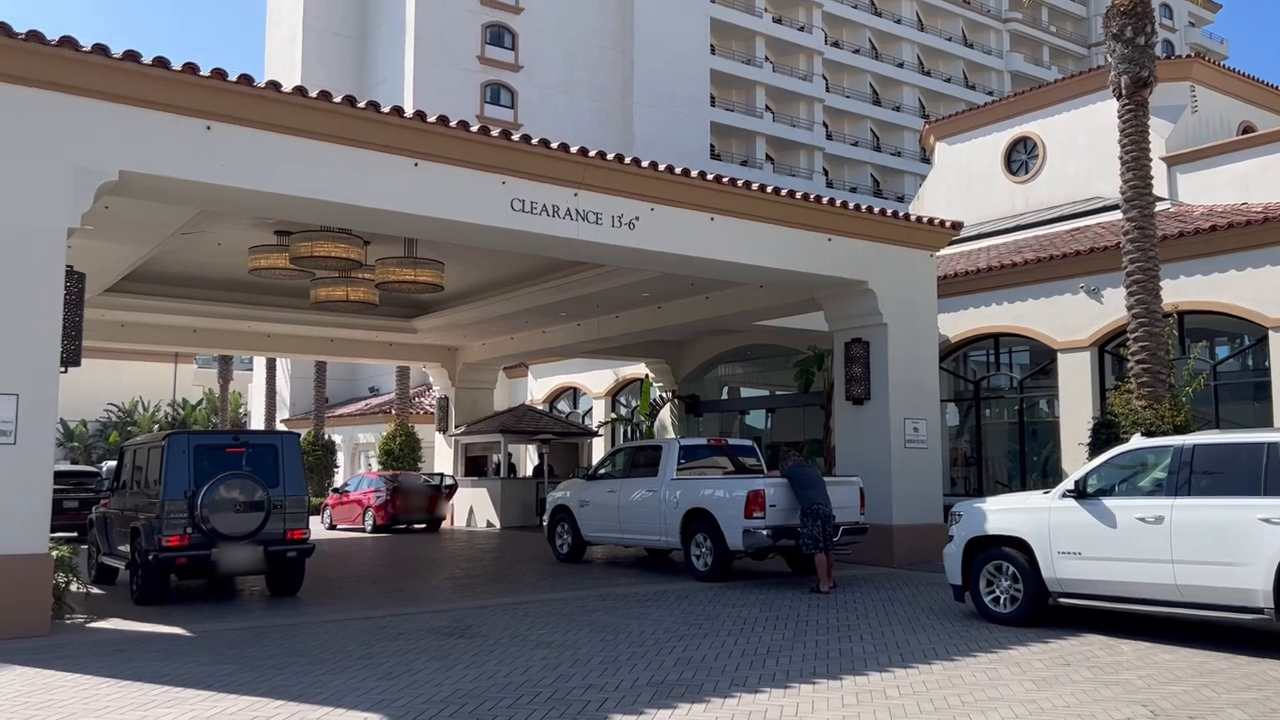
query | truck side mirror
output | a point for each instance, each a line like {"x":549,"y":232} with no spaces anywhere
{"x":1077,"y":489}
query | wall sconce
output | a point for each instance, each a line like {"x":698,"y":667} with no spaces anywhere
{"x":857,"y":371}
{"x":72,"y":318}
{"x":442,"y":414}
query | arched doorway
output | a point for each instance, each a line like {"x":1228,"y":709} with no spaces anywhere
{"x":1000,"y":409}
{"x":574,"y":404}
{"x":1235,"y":357}
{"x":751,"y":392}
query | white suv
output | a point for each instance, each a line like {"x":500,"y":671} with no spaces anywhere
{"x":1188,"y":525}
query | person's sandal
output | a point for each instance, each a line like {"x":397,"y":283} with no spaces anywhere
{"x":817,"y":590}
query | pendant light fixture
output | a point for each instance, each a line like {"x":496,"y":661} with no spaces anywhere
{"x":271,"y":262}
{"x":409,"y":274}
{"x":347,"y":291}
{"x":328,"y":249}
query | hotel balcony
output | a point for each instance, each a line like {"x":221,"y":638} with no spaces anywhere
{"x":1201,"y":40}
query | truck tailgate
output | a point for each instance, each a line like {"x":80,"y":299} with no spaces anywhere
{"x":846,"y":500}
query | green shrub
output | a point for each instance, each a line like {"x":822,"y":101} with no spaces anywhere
{"x":400,"y":448}
{"x":66,"y":575}
{"x":320,"y":461}
{"x":315,"y":505}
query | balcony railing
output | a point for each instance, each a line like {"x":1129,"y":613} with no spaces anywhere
{"x":790,"y":71}
{"x":937,"y":32}
{"x":794,"y":171}
{"x":792,"y":23}
{"x":876,"y":146}
{"x":980,"y":7}
{"x":740,"y":6}
{"x":734,"y":106}
{"x":878,"y":101}
{"x":858,"y":189}
{"x":794,"y":121}
{"x":734,"y":158}
{"x":878,"y":56}
{"x":1074,"y":37}
{"x":1213,"y":37}
{"x":737,"y":56}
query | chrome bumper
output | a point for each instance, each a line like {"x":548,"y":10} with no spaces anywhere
{"x":755,"y":539}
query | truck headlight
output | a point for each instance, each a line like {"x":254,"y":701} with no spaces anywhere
{"x":954,"y":517}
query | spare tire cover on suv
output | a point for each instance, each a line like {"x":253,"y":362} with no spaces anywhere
{"x":233,"y":506}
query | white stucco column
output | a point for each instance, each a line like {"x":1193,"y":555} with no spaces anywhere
{"x":901,"y":474}
{"x":35,"y":209}
{"x":601,"y":410}
{"x":1273,"y":346}
{"x":470,"y":390}
{"x":1077,"y":405}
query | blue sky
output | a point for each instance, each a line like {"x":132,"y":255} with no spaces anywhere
{"x":229,"y":33}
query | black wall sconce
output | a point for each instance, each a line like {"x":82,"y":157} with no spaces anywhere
{"x":72,"y":318}
{"x":442,"y":414}
{"x":857,"y":371}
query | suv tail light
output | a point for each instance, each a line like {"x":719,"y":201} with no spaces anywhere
{"x":297,"y":535}
{"x":753,"y":508}
{"x":175,"y":541}
{"x":862,"y":501}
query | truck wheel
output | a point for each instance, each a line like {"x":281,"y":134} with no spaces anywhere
{"x":100,"y":573}
{"x":148,"y":584}
{"x":1006,"y":587}
{"x":706,"y":555}
{"x":565,"y":538}
{"x":799,"y":563}
{"x":285,"y":577}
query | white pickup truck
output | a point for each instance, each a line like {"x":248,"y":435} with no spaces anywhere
{"x":708,"y":497}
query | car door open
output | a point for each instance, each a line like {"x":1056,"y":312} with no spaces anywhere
{"x":1110,"y":534}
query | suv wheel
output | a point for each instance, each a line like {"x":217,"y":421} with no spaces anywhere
{"x":326,"y":519}
{"x":285,"y":577}
{"x":370,"y":521}
{"x":1006,"y":587}
{"x":706,"y":555}
{"x":99,"y":572}
{"x":148,"y":584}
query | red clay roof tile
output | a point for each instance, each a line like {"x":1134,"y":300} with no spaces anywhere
{"x":422,"y":401}
{"x":1175,"y":222}
{"x":159,"y":62}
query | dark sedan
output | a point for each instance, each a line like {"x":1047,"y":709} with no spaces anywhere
{"x":77,"y":489}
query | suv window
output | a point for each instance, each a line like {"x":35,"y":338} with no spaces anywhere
{"x":646,"y":461}
{"x":1137,"y":473}
{"x":614,"y":465}
{"x":138,"y":469}
{"x":1227,"y":470}
{"x":723,"y":460}
{"x":151,"y":483}
{"x":123,"y":470}
{"x":1272,"y":481}
{"x":257,"y":459}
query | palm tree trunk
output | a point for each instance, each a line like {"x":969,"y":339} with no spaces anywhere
{"x":319,"y":396}
{"x":1130,"y":30}
{"x":269,"y":400}
{"x":226,"y":372}
{"x":402,"y":406}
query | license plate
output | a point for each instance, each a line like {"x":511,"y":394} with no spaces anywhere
{"x":239,"y":558}
{"x":70,"y":504}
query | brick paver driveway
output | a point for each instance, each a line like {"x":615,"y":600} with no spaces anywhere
{"x":469,"y":624}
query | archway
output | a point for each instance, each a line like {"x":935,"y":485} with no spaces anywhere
{"x":573,"y":403}
{"x":1234,"y":355}
{"x":1000,"y":409}
{"x":751,"y":392}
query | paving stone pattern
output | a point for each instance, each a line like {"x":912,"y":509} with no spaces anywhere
{"x":885,"y":645}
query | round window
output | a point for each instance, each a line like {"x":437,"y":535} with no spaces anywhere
{"x":1022,"y":157}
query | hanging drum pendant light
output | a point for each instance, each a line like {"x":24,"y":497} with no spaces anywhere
{"x":408,"y":274}
{"x":329,"y":249}
{"x":271,"y":262}
{"x":348,"y":291}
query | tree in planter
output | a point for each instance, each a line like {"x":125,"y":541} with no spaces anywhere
{"x":226,"y":373}
{"x":1125,"y":416}
{"x":651,"y":408}
{"x":319,"y":451}
{"x":816,"y":366}
{"x":269,"y":399}
{"x":400,"y":447}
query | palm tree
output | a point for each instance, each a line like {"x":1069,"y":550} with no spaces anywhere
{"x":813,"y":367}
{"x":226,"y":372}
{"x":403,"y":405}
{"x":269,"y":420}
{"x":319,"y":397}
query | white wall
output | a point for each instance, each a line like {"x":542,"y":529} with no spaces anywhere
{"x":1244,"y":176}
{"x":85,"y":391}
{"x":355,"y":440}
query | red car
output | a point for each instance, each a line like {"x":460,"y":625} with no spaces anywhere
{"x":77,"y":489}
{"x":378,"y":500}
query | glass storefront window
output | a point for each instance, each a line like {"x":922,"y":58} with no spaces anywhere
{"x":625,"y":403}
{"x":1235,"y":358}
{"x":1000,"y":412}
{"x":574,"y":404}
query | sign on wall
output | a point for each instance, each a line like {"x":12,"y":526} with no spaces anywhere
{"x":575,"y":215}
{"x":915,"y":434}
{"x":8,"y":419}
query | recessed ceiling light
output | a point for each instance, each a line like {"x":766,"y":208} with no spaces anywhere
{"x":563,"y":314}
{"x":646,"y":295}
